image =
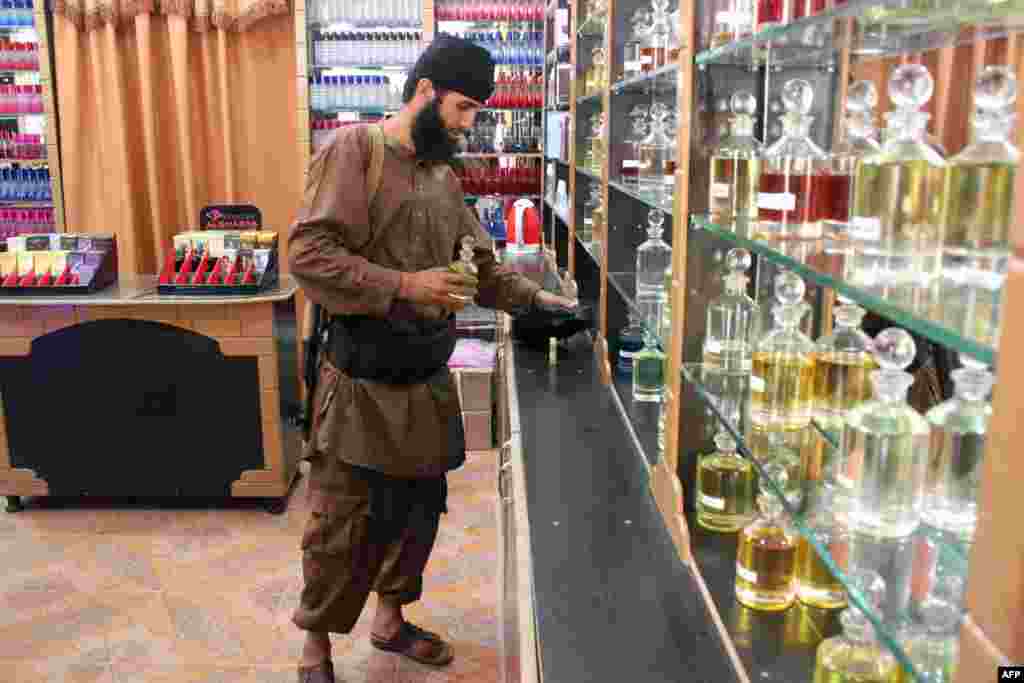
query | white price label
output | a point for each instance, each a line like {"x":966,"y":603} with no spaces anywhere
{"x":633,"y":66}
{"x":756,"y":383}
{"x":745,"y":573}
{"x":713,"y":346}
{"x":868,"y":229}
{"x":647,"y":59}
{"x":720,"y":190}
{"x":668,"y":179}
{"x":631,"y":163}
{"x":588,"y":221}
{"x":348,"y":116}
{"x":776,"y":201}
{"x":712,"y":502}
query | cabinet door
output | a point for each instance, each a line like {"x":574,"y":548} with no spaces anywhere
{"x":509,"y":614}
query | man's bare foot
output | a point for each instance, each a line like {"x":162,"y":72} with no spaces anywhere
{"x":316,"y":650}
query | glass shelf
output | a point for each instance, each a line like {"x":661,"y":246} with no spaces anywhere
{"x":901,"y":562}
{"x":590,"y":174}
{"x":643,"y":197}
{"x":591,"y":28}
{"x":558,"y":212}
{"x":589,"y":99}
{"x":653,"y":79}
{"x":592,"y":250}
{"x":949,"y":314}
{"x":625,"y":285}
{"x":878,"y":28}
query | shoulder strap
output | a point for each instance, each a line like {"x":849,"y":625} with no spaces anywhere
{"x":376,"y":166}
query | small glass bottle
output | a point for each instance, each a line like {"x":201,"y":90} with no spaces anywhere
{"x":792,"y":172}
{"x":843,"y":368}
{"x":649,"y":370}
{"x":887,"y":446}
{"x":856,"y":656}
{"x":653,"y":258}
{"x":725,"y":488}
{"x":657,"y":170}
{"x":735,"y":166}
{"x":599,"y":71}
{"x":732,"y":319}
{"x":775,"y":450}
{"x":766,"y":556}
{"x":896,"y":222}
{"x":632,"y":59}
{"x":858,"y":141}
{"x":954,"y":477}
{"x":816,"y":585}
{"x":631,"y":341}
{"x":599,"y":144}
{"x":782,"y":381}
{"x":630,"y":168}
{"x":465,"y":264}
{"x":654,"y":51}
{"x":978,"y":195}
{"x":591,"y":209}
{"x":934,"y":650}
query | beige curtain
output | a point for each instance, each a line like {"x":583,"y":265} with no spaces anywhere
{"x":158,"y":120}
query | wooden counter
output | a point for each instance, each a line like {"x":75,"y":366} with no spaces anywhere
{"x":127,"y":393}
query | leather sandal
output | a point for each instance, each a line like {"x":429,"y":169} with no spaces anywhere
{"x":321,"y":673}
{"x":405,"y":642}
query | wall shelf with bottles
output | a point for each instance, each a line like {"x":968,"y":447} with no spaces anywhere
{"x":662,"y":77}
{"x":500,"y":155}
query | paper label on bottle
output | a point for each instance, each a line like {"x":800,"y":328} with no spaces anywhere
{"x":348,"y":116}
{"x":776,"y":201}
{"x":863,"y":228}
{"x":631,"y":163}
{"x":588,"y":221}
{"x":713,"y":346}
{"x":745,"y":574}
{"x":756,"y":383}
{"x":720,"y":190}
{"x":668,"y":179}
{"x":647,"y":59}
{"x":712,"y":502}
{"x":633,"y":65}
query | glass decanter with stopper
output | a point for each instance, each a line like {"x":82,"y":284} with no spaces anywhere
{"x":954,"y":476}
{"x":773,"y":448}
{"x":782,"y":379}
{"x":649,"y":369}
{"x":631,"y":341}
{"x":630,"y":168}
{"x":653,"y":258}
{"x":816,"y":585}
{"x":465,"y":264}
{"x":978,"y":195}
{"x":934,"y":649}
{"x":735,"y":166}
{"x":654,"y":50}
{"x":895,"y":222}
{"x":887,"y":446}
{"x":656,"y":175}
{"x":593,"y":210}
{"x":593,"y":153}
{"x":725,"y":488}
{"x":856,"y":656}
{"x":859,"y":140}
{"x":793,"y":188}
{"x":597,"y":75}
{"x":632,"y":58}
{"x":733,"y":319}
{"x":767,"y":552}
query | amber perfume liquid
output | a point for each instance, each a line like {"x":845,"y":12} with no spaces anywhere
{"x":651,"y":58}
{"x":734,"y":189}
{"x":781,"y":389}
{"x":764,"y":569}
{"x":979,"y":201}
{"x":815,"y":583}
{"x":725,"y":493}
{"x":826,"y":674}
{"x":842,"y":381}
{"x":831,"y":194}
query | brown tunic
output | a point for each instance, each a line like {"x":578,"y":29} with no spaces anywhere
{"x":347,"y":255}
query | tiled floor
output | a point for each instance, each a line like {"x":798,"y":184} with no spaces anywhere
{"x":91,"y":594}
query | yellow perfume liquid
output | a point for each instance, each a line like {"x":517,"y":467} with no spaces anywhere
{"x":725,"y":492}
{"x":781,"y":389}
{"x":842,"y":381}
{"x":764,"y":568}
{"x":827,"y":674}
{"x":815,"y":584}
{"x":978,"y":202}
{"x":733,"y":192}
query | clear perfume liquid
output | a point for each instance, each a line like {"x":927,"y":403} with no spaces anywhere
{"x":648,"y":375}
{"x":764,"y":569}
{"x":781,"y":387}
{"x":976,"y":219}
{"x":954,"y":478}
{"x":887,"y":471}
{"x":728,"y":355}
{"x":815,"y":584}
{"x":734,"y":189}
{"x":725,"y":493}
{"x":896,"y":222}
{"x":842,"y":381}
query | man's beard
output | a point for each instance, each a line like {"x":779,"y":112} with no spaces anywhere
{"x":433,"y":141}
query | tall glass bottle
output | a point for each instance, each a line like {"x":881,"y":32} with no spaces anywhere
{"x":735,"y":166}
{"x":657,"y":161}
{"x":654,"y":50}
{"x":766,"y":554}
{"x":792,"y":170}
{"x":631,"y":341}
{"x":856,"y":656}
{"x":887,"y":446}
{"x":954,"y":476}
{"x":843,"y":368}
{"x":632,"y":59}
{"x":978,"y":195}
{"x":653,"y":258}
{"x":649,"y":370}
{"x":629,"y":170}
{"x":934,"y":650}
{"x":783,"y":363}
{"x":733,"y":319}
{"x":859,"y":139}
{"x":592,"y":210}
{"x":816,"y":585}
{"x":725,"y":488}
{"x":895,"y":224}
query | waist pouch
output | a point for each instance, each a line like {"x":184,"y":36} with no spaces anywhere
{"x":391,"y":351}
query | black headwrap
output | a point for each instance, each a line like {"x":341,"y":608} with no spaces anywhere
{"x":452,"y":63}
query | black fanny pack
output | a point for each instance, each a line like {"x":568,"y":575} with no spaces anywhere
{"x":391,"y":351}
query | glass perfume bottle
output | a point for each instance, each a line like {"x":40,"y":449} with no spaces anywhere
{"x":887,"y":446}
{"x":774,"y":449}
{"x":592,"y":210}
{"x":665,"y":329}
{"x":631,"y":341}
{"x":895,"y":223}
{"x":654,"y":50}
{"x":649,"y":370}
{"x":792,"y":172}
{"x":725,"y":488}
{"x":843,"y":366}
{"x":465,"y":264}
{"x":599,"y":144}
{"x":653,"y":258}
{"x":782,"y":380}
{"x":657,"y":171}
{"x":629,"y":170}
{"x":598,"y":73}
{"x":856,"y":656}
{"x":934,"y":650}
{"x":767,"y":553}
{"x":735,"y":166}
{"x":978,"y":195}
{"x":732,"y":319}
{"x":859,"y":139}
{"x":816,"y":585}
{"x":954,"y":475}
{"x":632,"y":59}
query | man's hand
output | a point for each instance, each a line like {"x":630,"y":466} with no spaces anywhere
{"x":547,"y":299}
{"x":436,"y":286}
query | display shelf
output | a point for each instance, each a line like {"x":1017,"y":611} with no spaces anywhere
{"x":502,"y":196}
{"x":947,"y":314}
{"x":26,"y":163}
{"x":364,"y":67}
{"x":558,"y":107}
{"x":594,"y":98}
{"x":499,"y":155}
{"x":645,"y":82}
{"x":334,"y":111}
{"x":45,"y":204}
{"x":346,"y":26}
{"x":642,"y":197}
{"x":504,"y":110}
{"x":885,"y":28}
{"x":727,"y":394}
